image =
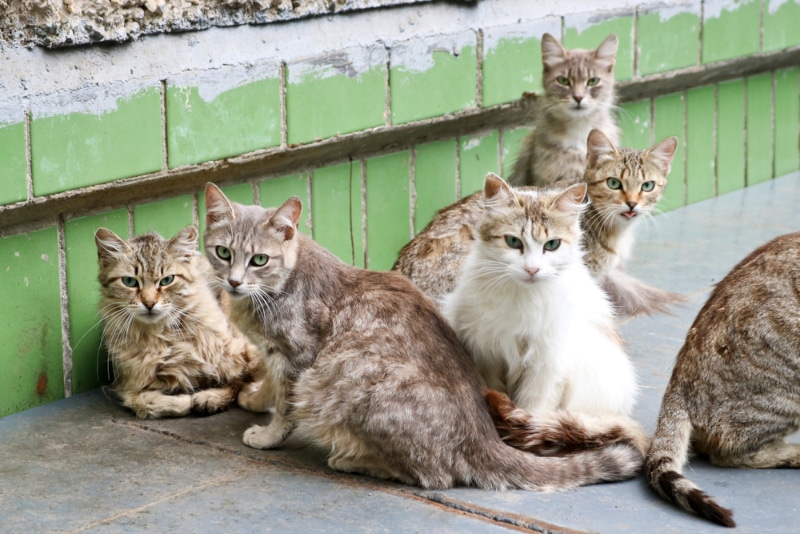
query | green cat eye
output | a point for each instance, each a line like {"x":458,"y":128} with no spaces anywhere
{"x":648,"y":186}
{"x":513,"y":242}
{"x":552,"y":245}
{"x":129,"y":281}
{"x":563,"y":80}
{"x":591,"y":82}
{"x":614,"y":183}
{"x":223,"y":253}
{"x":167,"y":280}
{"x":259,"y":259}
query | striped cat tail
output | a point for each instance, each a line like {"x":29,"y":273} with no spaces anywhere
{"x":631,"y":297}
{"x":558,"y":433}
{"x":665,"y":461}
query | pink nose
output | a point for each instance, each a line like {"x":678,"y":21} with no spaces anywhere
{"x":531,"y":270}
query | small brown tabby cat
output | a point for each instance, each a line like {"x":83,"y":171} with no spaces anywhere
{"x":372,"y":373}
{"x":624,"y":187}
{"x":578,"y":97}
{"x":734,"y":393}
{"x":171,"y":346}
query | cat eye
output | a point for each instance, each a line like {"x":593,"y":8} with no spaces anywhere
{"x":552,"y":245}
{"x":648,"y":186}
{"x":167,"y":280}
{"x":563,"y":80}
{"x":259,"y":260}
{"x":129,"y":281}
{"x":223,"y":253}
{"x":513,"y":242}
{"x":591,"y":82}
{"x":614,"y":183}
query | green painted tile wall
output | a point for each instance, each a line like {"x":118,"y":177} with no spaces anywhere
{"x":275,"y":191}
{"x":31,"y":369}
{"x":759,"y":128}
{"x":589,"y":31}
{"x":635,"y":124}
{"x":730,"y":136}
{"x":511,"y":67}
{"x":434,"y":180}
{"x":668,"y":41}
{"x":89,"y":362}
{"x":478,"y":156}
{"x":780,"y":24}
{"x":730,"y":33}
{"x":13,"y":165}
{"x":79,"y":149}
{"x":668,"y":119}
{"x":239,"y":120}
{"x":512,"y":144}
{"x":166,"y":217}
{"x":787,"y":121}
{"x":336,"y":211}
{"x":388,"y":208}
{"x":700,"y":144}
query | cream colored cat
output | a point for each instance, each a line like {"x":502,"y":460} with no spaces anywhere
{"x":171,"y":346}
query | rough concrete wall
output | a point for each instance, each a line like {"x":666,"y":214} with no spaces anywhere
{"x":55,"y":23}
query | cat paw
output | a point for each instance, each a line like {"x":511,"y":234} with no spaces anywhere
{"x":264,"y":437}
{"x":210,"y":402}
{"x":256,"y":397}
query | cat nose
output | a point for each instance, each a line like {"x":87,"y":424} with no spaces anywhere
{"x":631,"y":204}
{"x":531,"y":270}
{"x":149,"y":304}
{"x":234,"y":283}
{"x":578,"y":98}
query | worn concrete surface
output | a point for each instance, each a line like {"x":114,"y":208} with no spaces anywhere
{"x":83,"y":464}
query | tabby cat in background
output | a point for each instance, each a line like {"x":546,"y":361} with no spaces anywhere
{"x":527,"y":309}
{"x":624,"y":187}
{"x":369,"y":370}
{"x":171,"y":346}
{"x":734,"y":394}
{"x":578,"y":97}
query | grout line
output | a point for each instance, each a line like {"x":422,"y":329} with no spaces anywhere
{"x":458,"y":167}
{"x":479,"y":52}
{"x":350,"y":213}
{"x":412,"y":190}
{"x":746,"y":128}
{"x":284,"y":118}
{"x":28,"y":155}
{"x":131,"y":227}
{"x":66,"y":347}
{"x":773,"y":128}
{"x":164,"y":132}
{"x":636,"y":53}
{"x":364,"y":234}
{"x":700,"y":33}
{"x":256,"y":193}
{"x":684,"y":133}
{"x":715,"y":139}
{"x":387,"y":112}
{"x":196,"y":212}
{"x":500,"y":136}
{"x":653,"y":139}
{"x":761,"y":27}
{"x":309,"y":182}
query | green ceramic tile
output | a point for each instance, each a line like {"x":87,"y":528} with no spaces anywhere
{"x":478,"y":156}
{"x":787,"y":89}
{"x":275,"y":191}
{"x":346,"y":95}
{"x":512,"y":144}
{"x":588,"y":31}
{"x":80,"y":149}
{"x":388,"y":209}
{"x":512,"y":66}
{"x":13,"y":165}
{"x":731,"y":28}
{"x":730,"y":136}
{"x":31,"y":366}
{"x":337,"y":215}
{"x":242,"y":193}
{"x":668,"y":112}
{"x":635,"y":123}
{"x":780,"y":24}
{"x":239,"y":120}
{"x":89,"y":361}
{"x":432,"y":79}
{"x":700,"y":123}
{"x":759,"y":128}
{"x":167,"y":217}
{"x":434,"y":180}
{"x":668,"y":38}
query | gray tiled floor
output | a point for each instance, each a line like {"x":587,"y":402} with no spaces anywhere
{"x":83,"y":464}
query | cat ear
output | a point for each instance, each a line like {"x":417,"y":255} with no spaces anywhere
{"x":185,"y":243}
{"x":285,"y":219}
{"x":218,"y":208}
{"x":662,"y":153}
{"x":571,"y":199}
{"x":552,"y":51}
{"x":598,"y":148}
{"x":496,"y":191}
{"x":109,"y":245}
{"x":606,"y":53}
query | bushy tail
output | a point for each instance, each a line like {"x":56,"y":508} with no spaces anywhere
{"x":632,"y":297}
{"x":558,"y":433}
{"x":664,"y":465}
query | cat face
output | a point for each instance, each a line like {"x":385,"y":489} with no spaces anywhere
{"x":578,"y":81}
{"x":251,"y":249}
{"x":146,"y":279}
{"x":625,"y":184}
{"x":530,"y":235}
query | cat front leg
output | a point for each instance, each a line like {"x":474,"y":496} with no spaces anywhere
{"x":214,"y":400}
{"x":281,"y":425}
{"x":155,"y":404}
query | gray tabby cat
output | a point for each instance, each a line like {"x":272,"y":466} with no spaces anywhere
{"x":578,"y":97}
{"x":369,"y":370}
{"x":735,"y":389}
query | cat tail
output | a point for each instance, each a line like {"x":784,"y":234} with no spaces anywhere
{"x":631,"y":297}
{"x":665,"y":461}
{"x":559,"y":432}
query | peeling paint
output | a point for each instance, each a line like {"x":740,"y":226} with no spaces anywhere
{"x":417,"y":55}
{"x":774,"y":5}
{"x":666,"y":12}
{"x":351,"y":62}
{"x":712,"y":9}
